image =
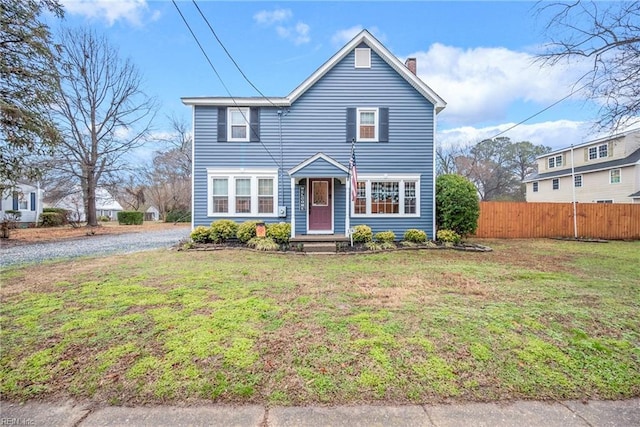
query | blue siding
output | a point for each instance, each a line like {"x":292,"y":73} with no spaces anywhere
{"x":316,"y":122}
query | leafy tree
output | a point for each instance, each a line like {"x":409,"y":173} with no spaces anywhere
{"x":457,"y":204}
{"x":607,"y":34}
{"x":28,"y":84}
{"x":103,"y":113}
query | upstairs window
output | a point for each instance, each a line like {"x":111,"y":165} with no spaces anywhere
{"x":363,"y":58}
{"x":615,"y":176}
{"x":367,"y":124}
{"x":598,"y":151}
{"x":238,"y":124}
{"x":555,"y":161}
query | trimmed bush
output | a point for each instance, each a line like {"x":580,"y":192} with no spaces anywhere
{"x":104,"y":218}
{"x":223,"y":230}
{"x":414,"y":235}
{"x":385,"y":237}
{"x":246,"y":231}
{"x":200,"y":234}
{"x":130,"y":218}
{"x":362,"y":234}
{"x":448,"y":236}
{"x":457,"y":205}
{"x":263,"y":244}
{"x":280,"y":232}
{"x":178,"y":216}
{"x":64,"y":214}
{"x":51,"y":219}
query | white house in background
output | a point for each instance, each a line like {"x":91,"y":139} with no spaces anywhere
{"x":605,"y":170}
{"x":152,"y":214}
{"x":106,"y":205}
{"x":24,"y":198}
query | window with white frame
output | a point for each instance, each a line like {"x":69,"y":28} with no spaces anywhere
{"x":555,"y":161}
{"x":367,"y":124}
{"x":615,"y":176}
{"x":598,"y":151}
{"x":238,"y":124}
{"x":555,"y":184}
{"x":535,"y":187}
{"x":242,"y":193}
{"x":363,"y":57}
{"x":389,"y":196}
{"x":577,"y":181}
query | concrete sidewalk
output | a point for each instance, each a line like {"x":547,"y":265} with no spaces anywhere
{"x":624,"y":413}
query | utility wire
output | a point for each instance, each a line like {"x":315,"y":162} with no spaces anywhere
{"x":229,"y":54}
{"x":222,"y":82}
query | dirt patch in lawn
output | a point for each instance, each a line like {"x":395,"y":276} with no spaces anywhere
{"x":23,"y":236}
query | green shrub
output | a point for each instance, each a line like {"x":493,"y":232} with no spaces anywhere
{"x":385,"y":237}
{"x":200,"y":234}
{"x":362,"y":234}
{"x":448,"y":236}
{"x":246,"y":231}
{"x":263,"y":244}
{"x":63,"y":213}
{"x":130,"y":218}
{"x":104,"y":218}
{"x":378,"y":246}
{"x":280,"y":232}
{"x":414,"y":235}
{"x":51,"y":219}
{"x":457,"y":205}
{"x":223,"y":230}
{"x":178,"y":216}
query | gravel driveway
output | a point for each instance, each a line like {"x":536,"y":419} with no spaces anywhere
{"x":97,"y":245}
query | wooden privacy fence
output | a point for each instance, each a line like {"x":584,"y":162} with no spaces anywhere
{"x":515,"y":220}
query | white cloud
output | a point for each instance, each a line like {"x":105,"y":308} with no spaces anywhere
{"x":554,"y":134}
{"x":266,"y":17}
{"x":135,"y":12}
{"x":298,"y":33}
{"x":480,"y":84}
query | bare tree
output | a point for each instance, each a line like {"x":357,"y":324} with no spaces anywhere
{"x":103,"y":112}
{"x":607,"y":34}
{"x":446,"y":158}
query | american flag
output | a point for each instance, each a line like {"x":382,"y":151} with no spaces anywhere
{"x":354,"y":174}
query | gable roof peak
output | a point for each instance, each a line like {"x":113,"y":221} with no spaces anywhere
{"x":366,"y":37}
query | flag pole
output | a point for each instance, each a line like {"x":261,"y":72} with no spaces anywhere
{"x":349,"y":178}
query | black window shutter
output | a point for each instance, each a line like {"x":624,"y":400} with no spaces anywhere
{"x":33,"y":201}
{"x":254,"y":124}
{"x":351,"y":124}
{"x":222,"y":124}
{"x":15,"y":202}
{"x":383,"y":132}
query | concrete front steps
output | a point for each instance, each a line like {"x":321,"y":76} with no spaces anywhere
{"x":319,"y":243}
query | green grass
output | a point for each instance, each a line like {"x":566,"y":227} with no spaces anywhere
{"x":535,"y":319}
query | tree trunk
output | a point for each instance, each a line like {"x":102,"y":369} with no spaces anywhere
{"x":90,"y":208}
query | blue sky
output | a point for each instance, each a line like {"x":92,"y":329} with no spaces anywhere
{"x":477,"y":55}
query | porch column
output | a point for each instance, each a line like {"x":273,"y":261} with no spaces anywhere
{"x":347,"y":222}
{"x":293,"y":207}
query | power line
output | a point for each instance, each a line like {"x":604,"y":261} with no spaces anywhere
{"x":251,"y":129}
{"x":229,"y":54}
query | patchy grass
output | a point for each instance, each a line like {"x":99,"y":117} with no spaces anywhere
{"x":535,"y":319}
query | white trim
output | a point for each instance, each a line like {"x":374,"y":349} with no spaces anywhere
{"x":433,"y":182}
{"x":376,"y":123}
{"x":315,"y":157}
{"x":293,"y":207}
{"x":333,"y":206}
{"x":389,"y":178}
{"x":362,"y":57}
{"x":245,"y":112}
{"x":593,"y":141}
{"x":231,"y":175}
{"x":225,"y":102}
{"x":385,"y":54}
{"x":611,"y":176}
{"x":193,"y":170}
{"x":588,"y":171}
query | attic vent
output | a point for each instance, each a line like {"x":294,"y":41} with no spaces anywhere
{"x":363,"y":58}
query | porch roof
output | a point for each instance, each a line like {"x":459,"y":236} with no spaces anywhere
{"x":317,"y":166}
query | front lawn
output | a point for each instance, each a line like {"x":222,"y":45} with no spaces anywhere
{"x":535,"y":319}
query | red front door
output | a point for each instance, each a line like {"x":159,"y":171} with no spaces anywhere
{"x":320,"y":205}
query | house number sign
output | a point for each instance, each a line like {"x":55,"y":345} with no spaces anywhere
{"x":302,"y":198}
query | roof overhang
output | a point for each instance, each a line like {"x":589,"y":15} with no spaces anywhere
{"x":304,"y":169}
{"x":215,"y":101}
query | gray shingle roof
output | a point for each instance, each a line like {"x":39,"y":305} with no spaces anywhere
{"x":629,"y":160}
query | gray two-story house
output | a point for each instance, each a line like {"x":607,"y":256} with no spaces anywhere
{"x":288,"y":159}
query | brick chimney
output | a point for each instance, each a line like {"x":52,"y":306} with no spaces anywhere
{"x":411,"y":64}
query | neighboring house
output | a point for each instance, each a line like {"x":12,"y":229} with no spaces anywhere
{"x":24,"y":198}
{"x":152,"y":214}
{"x":605,"y":170}
{"x":106,"y":205}
{"x":287,"y":159}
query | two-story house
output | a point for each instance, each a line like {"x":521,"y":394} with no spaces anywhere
{"x":605,"y":170}
{"x":288,"y":159}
